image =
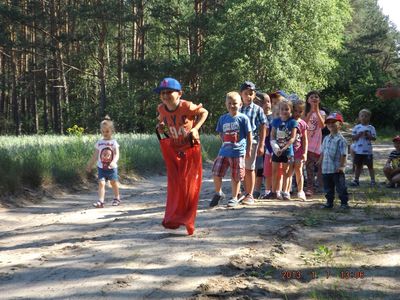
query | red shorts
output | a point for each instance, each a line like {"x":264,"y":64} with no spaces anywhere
{"x":268,"y":166}
{"x":222,"y":163}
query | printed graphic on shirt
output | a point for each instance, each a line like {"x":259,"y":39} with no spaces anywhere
{"x":282,"y":134}
{"x":363,"y":145}
{"x":106,"y":157}
{"x":231,"y":132}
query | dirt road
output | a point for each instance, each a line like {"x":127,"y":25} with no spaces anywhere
{"x":62,"y":248}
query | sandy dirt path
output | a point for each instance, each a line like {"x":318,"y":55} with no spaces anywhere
{"x":64,"y":249}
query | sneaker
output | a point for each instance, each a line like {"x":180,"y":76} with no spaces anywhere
{"x":309,"y":193}
{"x":355,"y":183}
{"x":215,"y":200}
{"x":256,"y":194}
{"x":270,"y":195}
{"x":344,"y":206}
{"x":302,"y":196}
{"x":233,"y":202}
{"x":248,"y":200}
{"x":373,"y":183}
{"x":285,"y":196}
{"x":279,"y":196}
{"x":327,"y":205}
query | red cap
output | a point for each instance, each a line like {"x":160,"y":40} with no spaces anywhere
{"x":396,"y":138}
{"x":334,"y":117}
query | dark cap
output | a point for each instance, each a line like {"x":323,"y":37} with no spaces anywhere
{"x":247,"y":85}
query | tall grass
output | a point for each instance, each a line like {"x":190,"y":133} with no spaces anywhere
{"x":30,"y":161}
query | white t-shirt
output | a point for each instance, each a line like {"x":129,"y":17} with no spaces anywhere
{"x":363,"y":145}
{"x":107,"y":150}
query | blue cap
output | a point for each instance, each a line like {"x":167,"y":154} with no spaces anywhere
{"x":282,"y":93}
{"x":168,"y":83}
{"x":247,"y":85}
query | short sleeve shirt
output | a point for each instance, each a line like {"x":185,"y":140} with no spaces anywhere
{"x":256,"y":116}
{"x":314,"y":133}
{"x":267,"y":138}
{"x":363,"y":145}
{"x":233,"y":130}
{"x":179,"y":122}
{"x":301,"y":131}
{"x":333,"y":148}
{"x":107,"y":150}
{"x":283,"y":130}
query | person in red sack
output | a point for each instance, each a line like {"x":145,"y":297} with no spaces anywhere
{"x":181,"y":151}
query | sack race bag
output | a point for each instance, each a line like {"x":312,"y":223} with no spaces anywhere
{"x":184,"y":174}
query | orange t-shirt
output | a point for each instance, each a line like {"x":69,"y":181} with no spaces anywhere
{"x":180,"y":122}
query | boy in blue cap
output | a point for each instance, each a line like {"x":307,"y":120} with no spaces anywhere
{"x":257,"y":121}
{"x":181,"y":152}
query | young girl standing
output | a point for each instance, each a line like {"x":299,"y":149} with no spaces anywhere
{"x":315,"y":118}
{"x":283,"y":134}
{"x":300,"y":147}
{"x":106,"y":154}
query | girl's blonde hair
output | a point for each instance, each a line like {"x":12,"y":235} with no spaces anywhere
{"x":107,"y":123}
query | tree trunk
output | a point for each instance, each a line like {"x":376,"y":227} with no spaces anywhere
{"x":102,"y":69}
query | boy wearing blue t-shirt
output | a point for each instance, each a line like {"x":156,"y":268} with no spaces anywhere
{"x":235,"y":131}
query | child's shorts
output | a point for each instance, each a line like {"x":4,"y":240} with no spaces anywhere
{"x":282,"y":159}
{"x":363,"y":159}
{"x":268,"y":166}
{"x":250,"y":163}
{"x":222,"y":163}
{"x":110,"y":174}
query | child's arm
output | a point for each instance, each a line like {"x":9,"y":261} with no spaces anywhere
{"x":92,"y":160}
{"x":249,"y":141}
{"x":291,"y":140}
{"x":342,"y":165}
{"x":113,"y":163}
{"x":202,"y":116}
{"x":261,"y":140}
{"x":304,"y":141}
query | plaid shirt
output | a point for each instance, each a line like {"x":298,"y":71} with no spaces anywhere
{"x":256,"y":116}
{"x":333,"y":148}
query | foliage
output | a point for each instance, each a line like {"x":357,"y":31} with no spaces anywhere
{"x":34,"y":160}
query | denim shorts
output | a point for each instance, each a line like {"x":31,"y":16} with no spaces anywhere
{"x":110,"y":174}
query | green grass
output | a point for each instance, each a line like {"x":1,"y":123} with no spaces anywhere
{"x":31,"y":161}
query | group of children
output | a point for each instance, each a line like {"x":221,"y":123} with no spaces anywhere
{"x":271,"y":136}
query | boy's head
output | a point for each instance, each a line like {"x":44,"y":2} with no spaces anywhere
{"x":248,"y":92}
{"x":233,"y":103}
{"x":169,"y":89}
{"x":334,"y":121}
{"x":364,"y":116}
{"x":396,"y":142}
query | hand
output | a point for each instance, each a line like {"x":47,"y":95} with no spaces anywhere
{"x":195,"y":133}
{"x":248,"y":154}
{"x":279,"y":152}
{"x":318,"y":163}
{"x":340,"y":170}
{"x":260,"y":150}
{"x":112,"y":165}
{"x":160,"y":127}
{"x":314,"y":107}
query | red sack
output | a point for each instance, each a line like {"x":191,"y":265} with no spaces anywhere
{"x":184,"y":173}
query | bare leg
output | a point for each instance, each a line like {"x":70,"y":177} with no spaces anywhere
{"x":235,"y":187}
{"x":218,"y":184}
{"x":298,"y":167}
{"x":102,"y":190}
{"x":249,"y":180}
{"x":115,"y":187}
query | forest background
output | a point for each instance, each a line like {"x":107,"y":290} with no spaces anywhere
{"x":70,"y":62}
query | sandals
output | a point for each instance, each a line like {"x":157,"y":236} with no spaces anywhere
{"x":98,"y":204}
{"x":116,"y":202}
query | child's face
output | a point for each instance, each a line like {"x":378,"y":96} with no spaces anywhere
{"x":364,"y":117}
{"x":106,"y":132}
{"x":333,"y":126}
{"x":313,"y":99}
{"x":284,"y":111}
{"x":248,"y":96}
{"x":267,"y":105}
{"x":396,"y":145}
{"x":298,"y":111}
{"x":233,"y":105}
{"x":170,"y":97}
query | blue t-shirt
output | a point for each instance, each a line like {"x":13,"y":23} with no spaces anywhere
{"x":233,"y":131}
{"x":283,"y":130}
